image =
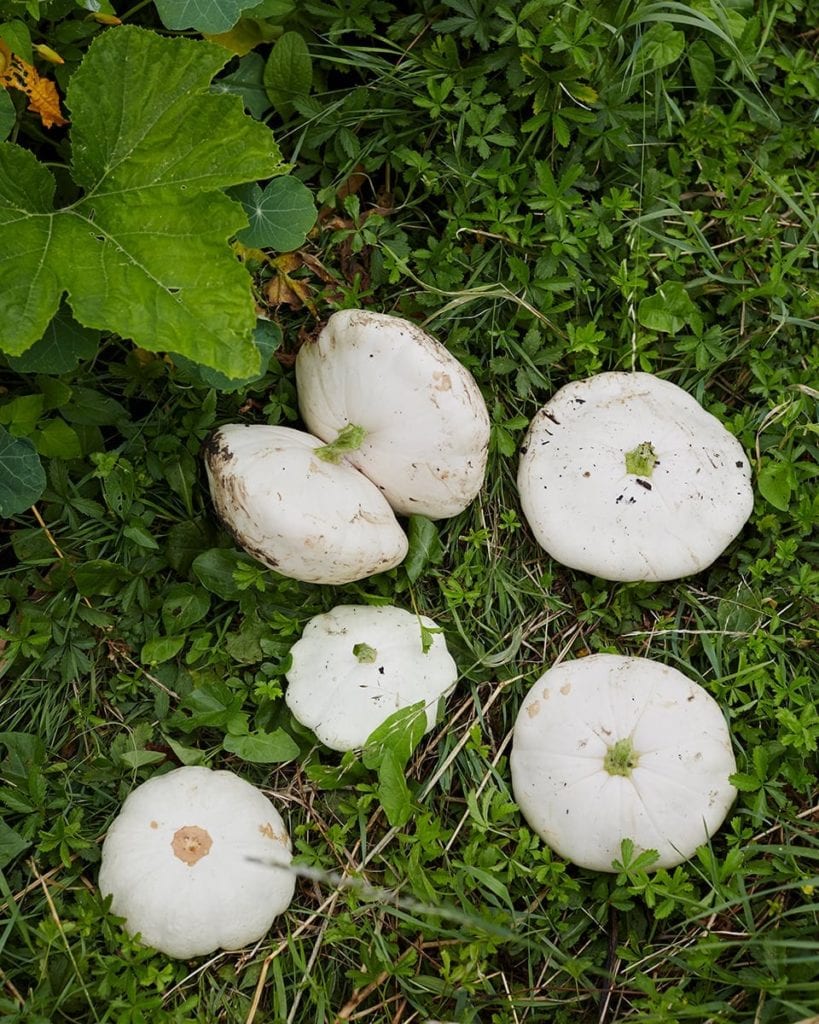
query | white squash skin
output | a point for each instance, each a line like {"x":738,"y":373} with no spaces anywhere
{"x":311,"y":520}
{"x":342,"y":699}
{"x":675,"y":798}
{"x":426,"y":423}
{"x":223,"y":900}
{"x":589,"y":513}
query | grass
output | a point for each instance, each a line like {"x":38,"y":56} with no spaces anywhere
{"x":524,"y":180}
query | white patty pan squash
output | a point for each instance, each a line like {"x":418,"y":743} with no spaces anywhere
{"x":410,"y":416}
{"x":608,"y":748}
{"x":626,"y":476}
{"x":176,"y":862}
{"x":356,"y":665}
{"x":311,"y":520}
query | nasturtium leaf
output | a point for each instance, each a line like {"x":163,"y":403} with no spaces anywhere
{"x":288,"y":73}
{"x":247,"y":81}
{"x":22,"y":478}
{"x":280,"y":216}
{"x":143,"y":252}
{"x":202,"y":15}
{"x":64,"y":345}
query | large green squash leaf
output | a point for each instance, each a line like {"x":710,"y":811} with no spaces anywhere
{"x":144,"y":251}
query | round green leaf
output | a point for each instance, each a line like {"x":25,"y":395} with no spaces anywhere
{"x":22,"y":478}
{"x":210,"y":16}
{"x":280,"y":216}
{"x":247,"y":81}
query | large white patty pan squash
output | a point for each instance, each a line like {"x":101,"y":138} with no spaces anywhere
{"x":176,"y":862}
{"x":627,"y":477}
{"x":311,"y":520}
{"x":608,"y":748}
{"x":413,"y":419}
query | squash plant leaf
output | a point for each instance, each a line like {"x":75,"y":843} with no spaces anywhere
{"x":143,"y":251}
{"x":64,"y":345}
{"x":22,"y":478}
{"x":267,"y":337}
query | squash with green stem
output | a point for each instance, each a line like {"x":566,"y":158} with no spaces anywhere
{"x":399,"y":406}
{"x":627,"y":477}
{"x":607,"y":748}
{"x":356,"y":665}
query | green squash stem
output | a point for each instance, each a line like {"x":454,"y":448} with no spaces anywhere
{"x":350,"y":439}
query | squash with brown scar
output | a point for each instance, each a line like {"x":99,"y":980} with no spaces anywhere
{"x":187,"y":862}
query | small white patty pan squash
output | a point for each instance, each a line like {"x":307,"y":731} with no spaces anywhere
{"x":410,"y":416}
{"x":176,"y":862}
{"x":608,"y":748}
{"x":356,"y":665}
{"x":626,"y":476}
{"x":311,"y":520}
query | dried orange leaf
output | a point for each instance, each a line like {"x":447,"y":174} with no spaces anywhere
{"x":42,"y":93}
{"x":44,"y":100}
